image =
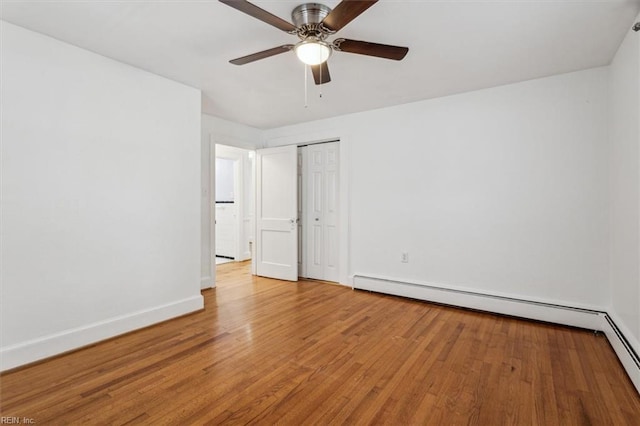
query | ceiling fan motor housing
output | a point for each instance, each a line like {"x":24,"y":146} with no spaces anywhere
{"x":309,"y":13}
{"x":308,"y":19}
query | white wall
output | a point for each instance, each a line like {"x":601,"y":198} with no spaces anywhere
{"x":100,"y":206}
{"x":501,"y":191}
{"x":216,"y":130}
{"x":624,"y":83}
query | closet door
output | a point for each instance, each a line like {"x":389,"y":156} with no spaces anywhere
{"x":322,"y":186}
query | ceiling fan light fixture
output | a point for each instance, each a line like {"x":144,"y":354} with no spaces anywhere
{"x":313,"y":52}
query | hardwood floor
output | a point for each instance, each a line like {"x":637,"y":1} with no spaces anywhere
{"x":265,"y":351}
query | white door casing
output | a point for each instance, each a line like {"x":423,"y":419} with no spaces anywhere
{"x":301,"y":208}
{"x":276,"y":213}
{"x":321,"y":177}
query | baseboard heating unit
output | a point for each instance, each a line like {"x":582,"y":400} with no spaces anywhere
{"x":591,"y":319}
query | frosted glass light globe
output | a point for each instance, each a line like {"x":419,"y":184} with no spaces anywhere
{"x":313,"y":52}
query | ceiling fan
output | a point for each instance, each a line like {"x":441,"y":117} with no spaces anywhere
{"x":313,"y":23}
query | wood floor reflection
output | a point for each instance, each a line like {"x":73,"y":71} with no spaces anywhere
{"x":267,"y":351}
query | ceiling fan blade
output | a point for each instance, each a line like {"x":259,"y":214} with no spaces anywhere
{"x":261,"y":55}
{"x":321,"y":73}
{"x":345,"y":12}
{"x":386,"y":51}
{"x":261,"y":14}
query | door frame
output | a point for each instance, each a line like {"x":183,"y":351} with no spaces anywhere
{"x":238,"y":194}
{"x":211,"y":199}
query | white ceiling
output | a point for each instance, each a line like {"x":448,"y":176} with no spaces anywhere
{"x":455,"y":46}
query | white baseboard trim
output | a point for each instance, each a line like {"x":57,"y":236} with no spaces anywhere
{"x":206,"y":282}
{"x":55,"y":344}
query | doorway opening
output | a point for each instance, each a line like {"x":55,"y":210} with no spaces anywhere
{"x":234,"y":205}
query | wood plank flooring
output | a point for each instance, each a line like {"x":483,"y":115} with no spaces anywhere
{"x":266,"y":352}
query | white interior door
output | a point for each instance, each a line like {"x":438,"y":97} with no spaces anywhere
{"x":276,"y":213}
{"x":321,"y":211}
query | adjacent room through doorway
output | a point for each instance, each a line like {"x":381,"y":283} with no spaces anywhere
{"x":233,"y":210}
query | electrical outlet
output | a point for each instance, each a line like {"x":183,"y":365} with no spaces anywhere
{"x":404,"y":257}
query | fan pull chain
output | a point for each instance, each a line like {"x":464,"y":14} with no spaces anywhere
{"x":306,"y":73}
{"x":320,"y":85}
